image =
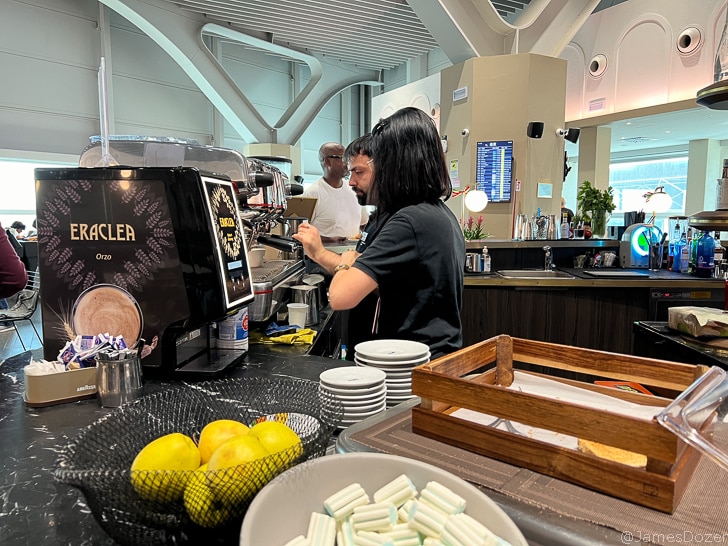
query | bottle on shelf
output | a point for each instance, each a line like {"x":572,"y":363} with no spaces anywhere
{"x":678,"y":251}
{"x":684,"y":254}
{"x":675,"y":237}
{"x":719,"y":249}
{"x":565,"y":229}
{"x":486,"y":260}
{"x":694,"y":250}
{"x":705,"y":256}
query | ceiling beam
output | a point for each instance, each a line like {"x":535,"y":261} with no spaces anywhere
{"x":181,"y":36}
{"x":474,"y":28}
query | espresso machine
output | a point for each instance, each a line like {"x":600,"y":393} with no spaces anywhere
{"x":151,"y":253}
{"x":262,"y":212}
{"x":262,"y":191}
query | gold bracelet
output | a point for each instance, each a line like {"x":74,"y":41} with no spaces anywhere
{"x":340,"y":267}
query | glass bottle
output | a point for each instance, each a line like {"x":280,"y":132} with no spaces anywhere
{"x":486,"y":260}
{"x":719,"y":249}
{"x":565,"y":230}
{"x":704,"y":260}
{"x":677,"y":252}
{"x":694,"y":250}
{"x":671,"y":246}
{"x":684,"y":254}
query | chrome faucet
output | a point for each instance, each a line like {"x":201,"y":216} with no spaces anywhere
{"x":548,"y":259}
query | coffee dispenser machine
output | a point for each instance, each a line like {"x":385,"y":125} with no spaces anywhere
{"x":153,"y":253}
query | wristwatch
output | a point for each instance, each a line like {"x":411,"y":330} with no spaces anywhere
{"x":340,"y":267}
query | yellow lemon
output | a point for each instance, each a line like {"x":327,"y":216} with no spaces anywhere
{"x":200,"y":502}
{"x":236,"y":469}
{"x":155,"y":470}
{"x":215,"y":433}
{"x":276,"y":437}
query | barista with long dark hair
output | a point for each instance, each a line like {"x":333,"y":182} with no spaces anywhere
{"x":416,"y":261}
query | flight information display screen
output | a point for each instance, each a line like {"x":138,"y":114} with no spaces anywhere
{"x":494,"y":169}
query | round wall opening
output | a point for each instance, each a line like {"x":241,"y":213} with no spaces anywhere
{"x":689,"y":41}
{"x":598,"y":65}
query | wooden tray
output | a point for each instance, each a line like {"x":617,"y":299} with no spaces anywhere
{"x":443,"y":388}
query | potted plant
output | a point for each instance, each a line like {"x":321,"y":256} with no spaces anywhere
{"x":474,"y":230}
{"x":594,"y":204}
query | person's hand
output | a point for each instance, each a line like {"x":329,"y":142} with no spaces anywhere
{"x":310,"y":237}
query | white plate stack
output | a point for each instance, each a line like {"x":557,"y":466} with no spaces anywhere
{"x":362,"y":391}
{"x":395,"y":357}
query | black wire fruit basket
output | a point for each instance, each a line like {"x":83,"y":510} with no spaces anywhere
{"x":98,"y":460}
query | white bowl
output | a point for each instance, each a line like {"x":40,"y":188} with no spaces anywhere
{"x":281,"y":510}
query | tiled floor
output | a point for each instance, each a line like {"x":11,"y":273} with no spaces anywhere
{"x":10,"y":344}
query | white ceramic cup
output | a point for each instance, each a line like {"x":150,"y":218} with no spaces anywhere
{"x":255,"y":256}
{"x":297,"y":314}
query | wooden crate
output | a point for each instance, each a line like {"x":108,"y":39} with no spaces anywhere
{"x":443,"y":388}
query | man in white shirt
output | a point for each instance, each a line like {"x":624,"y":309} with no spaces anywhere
{"x":338,"y":215}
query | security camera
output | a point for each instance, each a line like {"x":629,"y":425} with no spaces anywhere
{"x":465,"y":132}
{"x":572,"y":135}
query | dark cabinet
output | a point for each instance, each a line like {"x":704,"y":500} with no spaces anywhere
{"x":594,"y":318}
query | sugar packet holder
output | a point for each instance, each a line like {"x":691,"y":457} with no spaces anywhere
{"x":82,"y":351}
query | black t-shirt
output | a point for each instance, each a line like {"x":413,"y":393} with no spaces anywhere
{"x":417,"y":260}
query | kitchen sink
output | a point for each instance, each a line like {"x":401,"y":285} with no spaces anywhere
{"x":533,"y":274}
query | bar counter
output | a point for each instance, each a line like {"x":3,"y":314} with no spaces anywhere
{"x":34,"y":508}
{"x":612,"y":278}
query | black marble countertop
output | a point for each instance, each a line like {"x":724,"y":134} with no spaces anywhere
{"x":34,"y":508}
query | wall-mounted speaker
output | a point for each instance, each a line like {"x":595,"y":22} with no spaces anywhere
{"x":689,"y":41}
{"x":598,"y":65}
{"x":534,"y":129}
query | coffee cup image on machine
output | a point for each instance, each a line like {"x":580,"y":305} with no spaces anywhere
{"x":634,"y":248}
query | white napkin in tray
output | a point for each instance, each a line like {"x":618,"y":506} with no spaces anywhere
{"x":543,"y":386}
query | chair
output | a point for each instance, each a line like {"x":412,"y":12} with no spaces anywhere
{"x":26,"y":302}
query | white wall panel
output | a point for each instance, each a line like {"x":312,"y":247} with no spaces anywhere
{"x":576,"y":73}
{"x":61,"y":31}
{"x":48,"y":97}
{"x":643,"y":66}
{"x":265,"y":79}
{"x":40,"y":131}
{"x":161,"y":106}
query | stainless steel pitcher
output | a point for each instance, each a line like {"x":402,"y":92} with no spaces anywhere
{"x":118,"y":381}
{"x":303,"y":293}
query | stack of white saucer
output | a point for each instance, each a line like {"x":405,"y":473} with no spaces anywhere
{"x":362,"y":391}
{"x":395,"y":357}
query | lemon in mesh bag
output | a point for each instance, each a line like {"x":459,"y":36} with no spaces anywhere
{"x":238,"y":469}
{"x":202,"y":506}
{"x":155,"y":471}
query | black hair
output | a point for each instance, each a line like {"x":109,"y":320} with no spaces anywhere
{"x":361,"y":145}
{"x":17,"y":225}
{"x":409,"y":164}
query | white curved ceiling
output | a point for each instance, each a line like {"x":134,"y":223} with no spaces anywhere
{"x":370,"y":34}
